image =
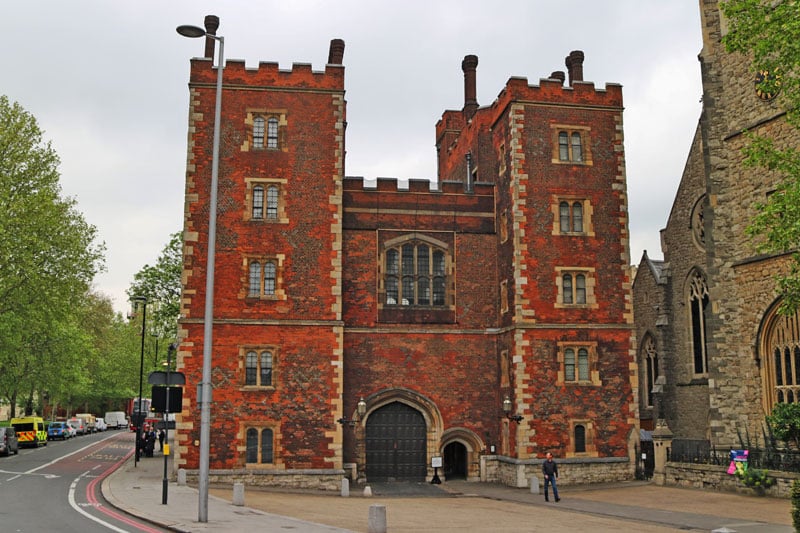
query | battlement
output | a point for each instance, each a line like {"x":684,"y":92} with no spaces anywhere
{"x":268,"y":74}
{"x":415,"y":185}
{"x":551,"y":90}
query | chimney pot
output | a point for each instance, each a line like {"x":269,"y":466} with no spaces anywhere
{"x":574,"y":62}
{"x":558,"y":75}
{"x":469,"y":65}
{"x":211,"y":23}
{"x":336,"y":52}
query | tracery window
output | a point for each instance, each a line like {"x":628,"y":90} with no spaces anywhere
{"x":698,"y":311}
{"x":780,"y":348}
{"x":415,"y":274}
{"x":650,"y":359}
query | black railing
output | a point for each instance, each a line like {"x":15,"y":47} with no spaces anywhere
{"x":701,"y":452}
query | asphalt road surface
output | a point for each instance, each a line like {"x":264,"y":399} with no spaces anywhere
{"x":57,"y":487}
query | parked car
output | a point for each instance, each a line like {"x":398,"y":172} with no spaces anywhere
{"x":8,"y":441}
{"x":58,"y":430}
{"x":100,"y":424}
{"x":78,"y":425}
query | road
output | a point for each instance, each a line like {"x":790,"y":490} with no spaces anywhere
{"x":57,"y":487}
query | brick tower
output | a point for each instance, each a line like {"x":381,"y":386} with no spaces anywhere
{"x":378,"y":330}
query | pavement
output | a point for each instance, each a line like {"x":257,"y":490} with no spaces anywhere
{"x":455,"y":505}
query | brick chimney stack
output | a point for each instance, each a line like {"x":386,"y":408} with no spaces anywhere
{"x":558,"y":75}
{"x":468,"y":65}
{"x":211,"y":23}
{"x":574,"y":62}
{"x":336,"y":52}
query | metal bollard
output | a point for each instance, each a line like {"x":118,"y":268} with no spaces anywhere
{"x":534,"y":485}
{"x":181,"y":476}
{"x":377,"y":519}
{"x":345,"y":487}
{"x":238,"y":494}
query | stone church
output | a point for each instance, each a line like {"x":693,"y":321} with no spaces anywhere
{"x":462,"y":326}
{"x":706,"y":320}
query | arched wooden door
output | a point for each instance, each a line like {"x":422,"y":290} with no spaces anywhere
{"x":455,"y":461}
{"x":396,"y":435}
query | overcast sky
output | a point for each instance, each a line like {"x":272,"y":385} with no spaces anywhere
{"x":107,"y":82}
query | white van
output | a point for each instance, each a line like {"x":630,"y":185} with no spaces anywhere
{"x":116,"y":420}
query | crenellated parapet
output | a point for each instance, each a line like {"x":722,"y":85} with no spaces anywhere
{"x":422,"y":205}
{"x":269,"y":74}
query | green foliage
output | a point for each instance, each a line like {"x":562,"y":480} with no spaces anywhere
{"x":785,"y":423}
{"x":769,"y":31}
{"x":49,"y":260}
{"x":795,"y":495}
{"x":161,"y":285}
{"x":755,"y":478}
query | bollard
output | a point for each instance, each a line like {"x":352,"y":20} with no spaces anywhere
{"x":345,"y":487}
{"x":181,"y":476}
{"x":368,"y":492}
{"x":377,"y":519}
{"x":238,"y":494}
{"x":534,"y":485}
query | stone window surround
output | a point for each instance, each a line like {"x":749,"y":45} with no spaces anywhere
{"x":585,"y":145}
{"x":266,"y":114}
{"x":588,"y":273}
{"x":265,"y":183}
{"x":280,"y":293}
{"x":588,"y":211}
{"x":276,"y":439}
{"x":397,"y":243}
{"x":258,"y":349}
{"x":594,"y":373}
{"x":591,"y":447}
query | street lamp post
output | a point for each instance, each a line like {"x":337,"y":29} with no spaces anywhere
{"x":208,"y":317}
{"x":167,"y":410}
{"x":138,"y":404}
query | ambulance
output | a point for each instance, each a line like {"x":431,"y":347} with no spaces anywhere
{"x":31,"y":431}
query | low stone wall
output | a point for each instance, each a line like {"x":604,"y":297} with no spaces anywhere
{"x":328,"y":480}
{"x":571,"y":471}
{"x":716,"y":477}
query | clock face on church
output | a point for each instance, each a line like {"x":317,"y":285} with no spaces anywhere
{"x":774,"y":82}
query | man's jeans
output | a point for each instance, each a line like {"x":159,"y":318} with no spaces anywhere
{"x":551,"y":480}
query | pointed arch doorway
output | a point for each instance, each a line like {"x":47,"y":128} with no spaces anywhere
{"x":396,"y":444}
{"x":455,"y":461}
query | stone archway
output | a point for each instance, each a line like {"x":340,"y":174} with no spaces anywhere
{"x":379,"y":431}
{"x":395,"y":444}
{"x":461,"y":454}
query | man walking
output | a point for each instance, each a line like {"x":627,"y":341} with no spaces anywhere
{"x":550,"y":472}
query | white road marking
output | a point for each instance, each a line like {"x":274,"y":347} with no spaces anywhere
{"x":79,"y":508}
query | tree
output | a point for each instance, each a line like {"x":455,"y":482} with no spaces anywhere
{"x":769,"y":30}
{"x":785,"y":423}
{"x":161,"y":285}
{"x":49,"y":257}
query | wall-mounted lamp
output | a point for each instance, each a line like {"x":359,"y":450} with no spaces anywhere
{"x":507,"y":408}
{"x":361,"y":410}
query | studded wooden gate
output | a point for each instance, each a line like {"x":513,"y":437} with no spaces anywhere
{"x":396,"y":435}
